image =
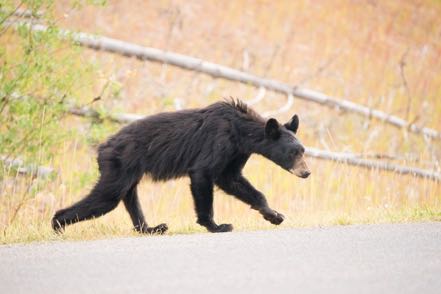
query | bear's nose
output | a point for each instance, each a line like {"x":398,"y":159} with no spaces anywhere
{"x":305,"y":174}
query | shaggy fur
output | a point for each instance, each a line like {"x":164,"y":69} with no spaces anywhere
{"x":211,"y":145}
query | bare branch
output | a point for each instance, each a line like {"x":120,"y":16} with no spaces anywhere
{"x":17,"y":164}
{"x":284,"y":108}
{"x":220,"y":71}
{"x":191,"y":63}
{"x":122,"y":118}
{"x":13,"y":12}
{"x":25,"y":13}
{"x":216,"y":70}
{"x":260,"y":95}
{"x":352,"y":159}
{"x":348,"y":158}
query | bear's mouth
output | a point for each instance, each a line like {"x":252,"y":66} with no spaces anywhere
{"x":300,"y":168}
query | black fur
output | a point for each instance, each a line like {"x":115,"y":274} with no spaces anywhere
{"x":211,"y":145}
{"x":293,"y":124}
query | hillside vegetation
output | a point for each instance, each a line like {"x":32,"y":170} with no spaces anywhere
{"x":383,"y":54}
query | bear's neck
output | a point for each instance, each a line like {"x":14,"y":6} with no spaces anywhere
{"x":252,"y":135}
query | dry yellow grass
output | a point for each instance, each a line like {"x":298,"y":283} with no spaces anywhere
{"x":350,"y":49}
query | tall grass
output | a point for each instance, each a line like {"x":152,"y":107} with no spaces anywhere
{"x":354,"y":50}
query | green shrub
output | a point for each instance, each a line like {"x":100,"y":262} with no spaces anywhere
{"x":39,"y":75}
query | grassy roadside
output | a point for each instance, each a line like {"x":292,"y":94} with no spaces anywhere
{"x":354,"y":52}
{"x":301,"y":201}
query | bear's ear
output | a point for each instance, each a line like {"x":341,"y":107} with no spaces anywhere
{"x":293,"y":124}
{"x":272,"y":129}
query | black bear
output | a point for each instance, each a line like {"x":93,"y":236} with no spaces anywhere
{"x":211,"y":145}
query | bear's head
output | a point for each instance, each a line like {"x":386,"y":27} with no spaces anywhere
{"x":283,"y":148}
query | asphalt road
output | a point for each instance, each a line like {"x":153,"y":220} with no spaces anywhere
{"x":403,"y":258}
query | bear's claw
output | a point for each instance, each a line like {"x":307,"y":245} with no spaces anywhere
{"x":57,"y":226}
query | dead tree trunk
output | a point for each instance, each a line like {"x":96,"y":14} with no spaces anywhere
{"x":352,"y":159}
{"x":21,"y":168}
{"x":348,"y":158}
{"x":220,"y":71}
{"x":191,"y":63}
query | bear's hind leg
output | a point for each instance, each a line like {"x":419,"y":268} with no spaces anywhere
{"x":94,"y":205}
{"x":131,"y":202}
{"x":104,"y":197}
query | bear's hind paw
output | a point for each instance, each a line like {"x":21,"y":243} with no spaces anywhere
{"x":158,"y":230}
{"x":222,"y":228}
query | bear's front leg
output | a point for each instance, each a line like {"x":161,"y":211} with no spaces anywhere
{"x":202,"y":191}
{"x":235,"y":184}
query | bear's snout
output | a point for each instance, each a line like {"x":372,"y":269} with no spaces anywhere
{"x":300,"y":168}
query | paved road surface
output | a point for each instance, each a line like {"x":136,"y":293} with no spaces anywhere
{"x":403,"y":258}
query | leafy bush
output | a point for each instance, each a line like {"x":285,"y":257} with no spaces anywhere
{"x":39,"y":75}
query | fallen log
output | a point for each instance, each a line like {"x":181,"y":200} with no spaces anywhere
{"x":26,"y":13}
{"x":122,"y":118}
{"x":342,"y":157}
{"x":352,"y":159}
{"x":191,"y":63}
{"x":284,"y":108}
{"x":21,"y":168}
{"x":220,"y":71}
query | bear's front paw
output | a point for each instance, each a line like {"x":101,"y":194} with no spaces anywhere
{"x":273,"y":216}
